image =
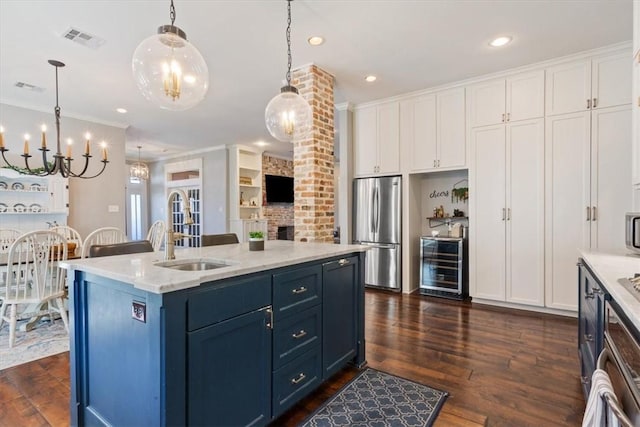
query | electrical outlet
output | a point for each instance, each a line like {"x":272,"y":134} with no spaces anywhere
{"x":139,"y":311}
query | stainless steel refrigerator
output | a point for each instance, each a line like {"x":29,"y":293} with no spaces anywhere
{"x":377,"y":217}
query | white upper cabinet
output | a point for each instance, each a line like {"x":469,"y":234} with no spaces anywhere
{"x":588,"y":84}
{"x":519,"y":97}
{"x":451,"y":129}
{"x":377,"y":139}
{"x":436,"y":130}
{"x":636,"y":103}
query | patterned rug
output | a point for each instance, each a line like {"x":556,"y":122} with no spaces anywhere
{"x":44,"y":340}
{"x":376,"y":399}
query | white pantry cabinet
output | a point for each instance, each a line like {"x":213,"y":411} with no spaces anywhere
{"x":588,"y":84}
{"x":518,"y":97}
{"x":636,"y":103}
{"x":436,"y":130}
{"x":507,"y":196}
{"x":377,"y":139}
{"x":587,"y":176}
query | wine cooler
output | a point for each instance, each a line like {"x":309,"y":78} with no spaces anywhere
{"x":443,"y":267}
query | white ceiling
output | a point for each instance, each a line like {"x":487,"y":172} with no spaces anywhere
{"x":409,"y":45}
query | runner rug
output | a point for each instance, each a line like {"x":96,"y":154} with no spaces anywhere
{"x":374,"y":398}
{"x":44,"y":340}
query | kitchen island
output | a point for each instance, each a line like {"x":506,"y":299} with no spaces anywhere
{"x":234,"y":345}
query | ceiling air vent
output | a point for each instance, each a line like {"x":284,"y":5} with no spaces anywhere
{"x":27,"y":86}
{"x":85,"y":39}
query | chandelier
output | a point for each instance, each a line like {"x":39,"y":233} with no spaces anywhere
{"x":60,"y":164}
{"x":288,"y":115}
{"x":139,"y":170}
{"x":168,"y":70}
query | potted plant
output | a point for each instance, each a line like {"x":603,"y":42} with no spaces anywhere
{"x":256,"y":241}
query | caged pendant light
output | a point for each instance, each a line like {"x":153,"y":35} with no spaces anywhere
{"x":288,"y":115}
{"x":170,"y":71}
{"x":139,"y":170}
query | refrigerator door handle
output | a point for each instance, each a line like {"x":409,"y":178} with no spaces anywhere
{"x":373,"y":210}
{"x":379,"y":245}
{"x":377,"y":196}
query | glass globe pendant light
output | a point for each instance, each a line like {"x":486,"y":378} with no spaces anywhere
{"x":168,"y":70}
{"x":288,"y":115}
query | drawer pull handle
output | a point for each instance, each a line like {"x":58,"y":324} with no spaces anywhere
{"x":585,"y":380}
{"x":300,"y":290}
{"x":588,"y":296}
{"x":300,"y":378}
{"x":343,"y":261}
{"x":300,"y":334}
{"x":588,"y":337}
{"x":596,"y":290}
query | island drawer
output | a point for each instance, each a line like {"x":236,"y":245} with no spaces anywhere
{"x":296,"y":290}
{"x":296,"y":334}
{"x":226,"y":300}
{"x":295,"y":380}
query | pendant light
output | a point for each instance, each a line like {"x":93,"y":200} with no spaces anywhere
{"x":288,"y":115}
{"x":168,"y":70}
{"x":139,"y":170}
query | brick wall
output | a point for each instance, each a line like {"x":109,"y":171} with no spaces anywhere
{"x":313,"y":159}
{"x":276,"y":215}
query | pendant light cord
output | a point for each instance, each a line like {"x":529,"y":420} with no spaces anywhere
{"x":288,"y":42}
{"x":172,"y":13}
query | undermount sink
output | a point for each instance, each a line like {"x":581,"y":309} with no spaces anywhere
{"x":193,"y":264}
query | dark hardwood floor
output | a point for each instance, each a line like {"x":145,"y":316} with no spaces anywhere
{"x":501,"y":367}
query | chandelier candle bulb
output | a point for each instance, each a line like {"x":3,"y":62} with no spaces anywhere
{"x":26,"y":144}
{"x":86,"y":145}
{"x":1,"y":137}
{"x":44,"y":138}
{"x":69,"y":142}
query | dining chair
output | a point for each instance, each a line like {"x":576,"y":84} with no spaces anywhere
{"x":7,"y":237}
{"x":71,"y":235}
{"x":102,"y":236}
{"x":156,"y":234}
{"x":218,"y":239}
{"x":34,"y":278}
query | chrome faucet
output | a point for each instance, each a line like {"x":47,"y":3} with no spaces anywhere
{"x":171,"y":236}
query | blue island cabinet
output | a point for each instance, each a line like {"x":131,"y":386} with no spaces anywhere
{"x":231,"y":352}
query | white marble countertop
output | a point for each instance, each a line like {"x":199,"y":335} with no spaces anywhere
{"x":140,"y":270}
{"x":608,"y":268}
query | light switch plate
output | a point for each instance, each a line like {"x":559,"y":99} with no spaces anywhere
{"x":139,"y":311}
{"x":113,"y":208}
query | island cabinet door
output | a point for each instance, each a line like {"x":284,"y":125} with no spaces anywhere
{"x":229,"y":372}
{"x":339,"y":314}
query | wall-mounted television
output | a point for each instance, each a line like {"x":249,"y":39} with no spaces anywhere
{"x":279,"y":189}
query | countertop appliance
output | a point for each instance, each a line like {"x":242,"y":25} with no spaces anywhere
{"x":377,"y":216}
{"x":632,"y":231}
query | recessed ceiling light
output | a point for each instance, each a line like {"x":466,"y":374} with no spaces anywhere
{"x":315,"y":40}
{"x":121,"y":110}
{"x":500,"y":41}
{"x":370,"y":78}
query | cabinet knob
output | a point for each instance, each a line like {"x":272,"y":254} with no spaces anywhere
{"x":299,"y":290}
{"x":585,"y":380}
{"x":588,"y":337}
